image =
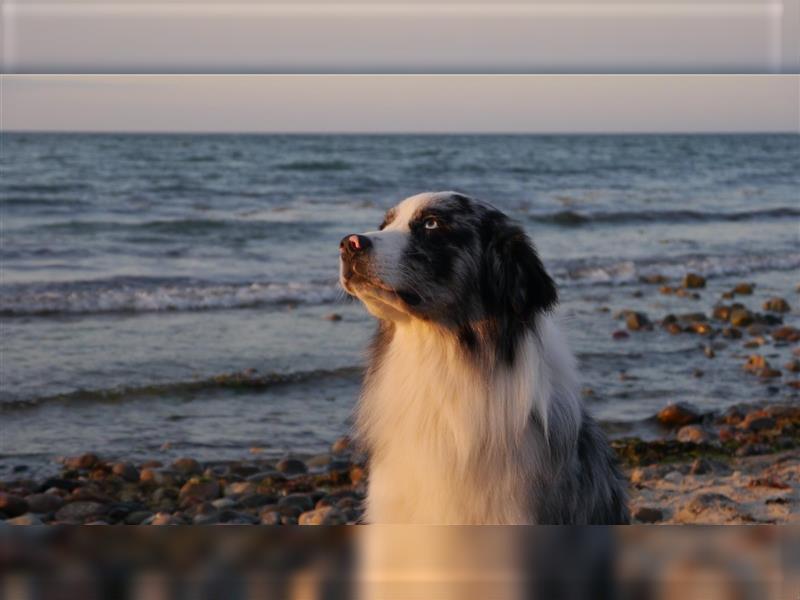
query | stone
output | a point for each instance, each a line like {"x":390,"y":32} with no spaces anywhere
{"x":84,"y":461}
{"x":692,"y":434}
{"x":741,"y":317}
{"x":674,"y":477}
{"x":757,"y":421}
{"x":333,"y":317}
{"x":786,"y":334}
{"x":648,"y":514}
{"x":223,"y":503}
{"x":357,"y":475}
{"x":693,"y":280}
{"x":636,"y":321}
{"x":678,"y":414}
{"x":126,"y":471}
{"x":188,"y":466}
{"x":743,"y":289}
{"x":327,"y":515}
{"x":755,"y":364}
{"x":722,"y":312}
{"x":709,"y":351}
{"x":673,"y":328}
{"x":292,"y":466}
{"x":137,"y":517}
{"x":197,"y":489}
{"x":653,"y":279}
{"x":81,"y":511}
{"x":301,"y":501}
{"x":701,"y":328}
{"x":700,"y":466}
{"x":712,"y":509}
{"x":26,"y":519}
{"x":270,"y":518}
{"x":160,"y":477}
{"x":731,"y":333}
{"x":778,"y":305}
{"x":319,"y":461}
{"x":12,"y":505}
{"x":162,"y":518}
{"x":240,"y":488}
{"x":256,"y":500}
{"x":752,"y":449}
{"x":620,"y":335}
{"x":769,"y":373}
{"x":793,"y":366}
{"x":343,"y":444}
{"x":44,"y":503}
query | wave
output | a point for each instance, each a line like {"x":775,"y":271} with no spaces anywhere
{"x":587,"y":272}
{"x":137,"y":295}
{"x":570,"y":218}
{"x":247,"y":380}
{"x":316,"y":165}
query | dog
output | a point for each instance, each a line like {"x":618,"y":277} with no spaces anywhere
{"x":470,"y":411}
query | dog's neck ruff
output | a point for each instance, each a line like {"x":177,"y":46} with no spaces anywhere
{"x":447,"y":424}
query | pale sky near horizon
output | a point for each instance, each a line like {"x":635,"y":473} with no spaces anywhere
{"x":408,"y":103}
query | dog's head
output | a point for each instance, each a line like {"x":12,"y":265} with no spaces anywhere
{"x":445,"y":258}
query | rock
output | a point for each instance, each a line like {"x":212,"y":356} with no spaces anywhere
{"x":673,"y":328}
{"x":327,"y":515}
{"x":722,"y":312}
{"x":793,"y":366}
{"x":757,"y":421}
{"x":667,"y":290}
{"x":693,"y":280}
{"x":691,"y":318}
{"x":731,"y":333}
{"x":162,"y":518}
{"x":126,"y":471}
{"x":741,"y":317}
{"x":270,"y":518}
{"x":357,"y":475}
{"x":712,"y":509}
{"x":206,"y":519}
{"x":301,"y":501}
{"x":755,"y":364}
{"x":84,"y":461}
{"x":43,"y":503}
{"x":26,"y":519}
{"x":256,"y":500}
{"x":343,"y":444}
{"x":333,"y":317}
{"x":769,"y":373}
{"x":187,"y":466}
{"x":223,"y":503}
{"x":700,"y":466}
{"x":653,"y":279}
{"x":637,"y":321}
{"x":12,"y":506}
{"x":620,"y":335}
{"x":786,"y":334}
{"x":674,"y":477}
{"x":701,"y":328}
{"x":752,"y":449}
{"x":709,"y":351}
{"x":692,"y":434}
{"x":160,"y":477}
{"x":648,"y":514}
{"x":241,"y":488}
{"x":292,"y":466}
{"x":319,"y":461}
{"x":197,"y":489}
{"x":81,"y":511}
{"x":137,"y":517}
{"x":778,"y":305}
{"x":678,"y":414}
{"x":287,"y":520}
{"x":743,"y":289}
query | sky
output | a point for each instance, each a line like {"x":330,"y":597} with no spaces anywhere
{"x":401,"y":103}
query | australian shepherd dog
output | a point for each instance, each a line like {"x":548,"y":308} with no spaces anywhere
{"x":470,"y":410}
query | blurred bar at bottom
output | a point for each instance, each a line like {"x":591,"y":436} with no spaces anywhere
{"x":750,"y":562}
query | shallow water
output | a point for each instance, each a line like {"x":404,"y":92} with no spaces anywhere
{"x":137,"y":269}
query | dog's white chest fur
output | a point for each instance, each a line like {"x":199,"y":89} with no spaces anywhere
{"x":451,"y":444}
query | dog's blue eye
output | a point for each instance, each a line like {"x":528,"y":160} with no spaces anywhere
{"x":431,"y":223}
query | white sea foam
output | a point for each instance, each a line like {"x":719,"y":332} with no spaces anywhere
{"x":111,"y":298}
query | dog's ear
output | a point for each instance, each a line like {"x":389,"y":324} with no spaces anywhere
{"x":514,"y":281}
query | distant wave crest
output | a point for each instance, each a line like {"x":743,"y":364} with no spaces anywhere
{"x":127,"y":295}
{"x":571,"y":218}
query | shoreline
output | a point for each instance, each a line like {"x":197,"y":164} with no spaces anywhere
{"x":736,"y":466}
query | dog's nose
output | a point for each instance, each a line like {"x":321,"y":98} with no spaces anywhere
{"x":353,"y":244}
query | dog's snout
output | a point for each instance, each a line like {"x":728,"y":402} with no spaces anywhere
{"x":354,"y":244}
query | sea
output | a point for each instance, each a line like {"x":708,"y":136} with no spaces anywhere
{"x":176,"y":294}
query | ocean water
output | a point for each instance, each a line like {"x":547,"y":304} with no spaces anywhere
{"x":169,"y":294}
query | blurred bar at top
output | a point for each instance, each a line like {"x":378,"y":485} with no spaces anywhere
{"x":385,"y":36}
